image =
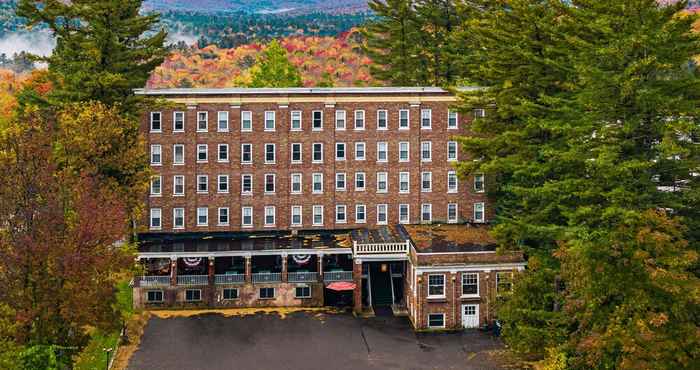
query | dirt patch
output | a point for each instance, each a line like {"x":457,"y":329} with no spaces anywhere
{"x":282,"y":312}
{"x":134,"y":331}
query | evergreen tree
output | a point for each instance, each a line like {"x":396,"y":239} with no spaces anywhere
{"x":589,"y":147}
{"x":274,"y":69}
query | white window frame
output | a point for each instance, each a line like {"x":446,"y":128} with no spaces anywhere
{"x":451,"y":220}
{"x":156,"y":191}
{"x":219,"y":120}
{"x":219,"y":182}
{"x":483,"y":212}
{"x":345,"y":151}
{"x":359,"y":116}
{"x":156,"y":149}
{"x":408,"y":182}
{"x":243,"y":217}
{"x":274,"y":183}
{"x":296,"y":291}
{"x":181,"y":160}
{"x":292,"y":119}
{"x":385,"y":208}
{"x":386,"y":151}
{"x":274,"y":153}
{"x":422,"y":118}
{"x":341,"y":121}
{"x":430,"y":212}
{"x":364,"y":214}
{"x":450,"y":126}
{"x":270,"y":211}
{"x":314,"y":213}
{"x":300,"y":210}
{"x":344,"y":177}
{"x":429,"y":151}
{"x":246,"y":117}
{"x":243,"y":177}
{"x":433,"y":326}
{"x":364,"y":150}
{"x":175,"y":218}
{"x":479,"y":112}
{"x":364,"y":181}
{"x":338,"y":220}
{"x":175,"y":192}
{"x":408,"y":119}
{"x":219,"y":214}
{"x":175,"y":120}
{"x":202,"y":211}
{"x":384,"y":175}
{"x":203,"y":148}
{"x":201,"y":114}
{"x":463,"y":280}
{"x":456,"y":151}
{"x":160,"y":122}
{"x":301,"y":153}
{"x":407,"y":151}
{"x":300,"y":178}
{"x":314,"y":182}
{"x":423,"y":189}
{"x":269,"y":116}
{"x":218,"y":153}
{"x":155,"y":214}
{"x":407,"y":220}
{"x":274,"y":293}
{"x":483,"y":183}
{"x":313,"y":153}
{"x":244,"y":145}
{"x":450,"y":175}
{"x":386,"y":119}
{"x":442,"y":286}
{"x":206,"y":184}
{"x":313,"y":120}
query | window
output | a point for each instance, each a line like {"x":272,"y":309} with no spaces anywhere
{"x":267,"y":293}
{"x":359,"y":181}
{"x":341,"y":214}
{"x":436,"y":320}
{"x":269,"y":183}
{"x":296,"y":183}
{"x":154,"y":296}
{"x":436,"y":285}
{"x":156,"y":155}
{"x":193,"y":295}
{"x":223,"y":216}
{"x":156,"y":122}
{"x":296,"y":152}
{"x":452,"y":182}
{"x":222,"y":122}
{"x":404,"y":182}
{"x":269,"y":153}
{"x":426,"y":214}
{"x":426,"y":184}
{"x":470,"y":284}
{"x":178,"y":218}
{"x":452,"y":120}
{"x":479,"y":183}
{"x":246,"y":121}
{"x":479,"y":212}
{"x":426,"y":119}
{"x":246,"y":153}
{"x":382,"y":120}
{"x":202,"y":183}
{"x":504,"y":282}
{"x":382,"y":214}
{"x":452,"y":213}
{"x":223,"y":152}
{"x":403,"y":119}
{"x":317,"y":153}
{"x":404,"y":215}
{"x":202,"y":153}
{"x":269,"y":121}
{"x":340,"y":120}
{"x":339,"y":151}
{"x":360,"y":151}
{"x":247,"y":216}
{"x":317,"y":215}
{"x":202,"y":216}
{"x":178,"y":154}
{"x":156,"y":186}
{"x":156,"y":219}
{"x":270,"y":216}
{"x":451,"y":151}
{"x":296,"y":215}
{"x":317,"y":120}
{"x":230,"y":293}
{"x":178,"y":185}
{"x":202,"y":121}
{"x":426,"y":151}
{"x":382,"y":186}
{"x":247,"y":184}
{"x":340,"y":181}
{"x":404,"y":151}
{"x":382,"y":151}
{"x":360,"y":213}
{"x":178,"y":121}
{"x":479,"y":113}
{"x":223,"y":184}
{"x":296,"y":121}
{"x":317,"y":183}
{"x":359,"y":120}
{"x":302,"y":292}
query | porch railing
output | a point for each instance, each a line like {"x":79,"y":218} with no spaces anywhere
{"x":267,"y":277}
{"x":337,"y":276}
{"x":302,"y":277}
{"x":154,"y":280}
{"x":381,"y":248}
{"x":192,"y":280}
{"x":229,"y":279}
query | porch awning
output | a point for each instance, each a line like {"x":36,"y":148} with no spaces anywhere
{"x":340,"y":286}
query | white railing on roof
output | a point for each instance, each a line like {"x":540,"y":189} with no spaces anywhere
{"x":145,"y":281}
{"x":381,"y":248}
{"x":337,"y":276}
{"x":302,"y":277}
{"x":221,"y":279}
{"x":192,"y":280}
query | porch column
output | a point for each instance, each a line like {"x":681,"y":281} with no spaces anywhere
{"x":248,"y":269}
{"x":284,"y":268}
{"x":211,"y":287}
{"x":320,"y":267}
{"x":173,"y":271}
{"x":357,"y":293}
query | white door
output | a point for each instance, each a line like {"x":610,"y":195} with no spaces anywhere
{"x":470,"y":315}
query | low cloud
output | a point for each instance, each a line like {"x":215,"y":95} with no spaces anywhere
{"x":187,"y":38}
{"x":39,"y":43}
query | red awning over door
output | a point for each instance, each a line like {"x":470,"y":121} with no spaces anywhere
{"x":341,"y":286}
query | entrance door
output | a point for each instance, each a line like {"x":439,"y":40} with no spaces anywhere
{"x":470,"y":315}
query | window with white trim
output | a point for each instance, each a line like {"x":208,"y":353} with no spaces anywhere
{"x":404,"y":122}
{"x":382,"y":119}
{"x":470,"y":284}
{"x":296,"y":152}
{"x":359,"y":181}
{"x":247,"y":184}
{"x":317,"y":183}
{"x":269,"y":121}
{"x":479,"y":212}
{"x":504,"y":282}
{"x":426,"y":119}
{"x":154,"y":296}
{"x":202,"y":184}
{"x":426,"y":151}
{"x":223,"y":218}
{"x":178,"y":185}
{"x":156,"y":186}
{"x":230,"y":294}
{"x":246,"y":121}
{"x":479,"y":113}
{"x":178,"y":154}
{"x":246,"y":153}
{"x":451,"y":151}
{"x":404,"y":182}
{"x":202,"y":216}
{"x":360,"y":214}
{"x":178,"y":218}
{"x":296,"y":216}
{"x":340,"y":181}
{"x":178,"y":121}
{"x":341,"y":214}
{"x":317,"y":120}
{"x":296,"y":179}
{"x":266,"y":293}
{"x":479,"y":183}
{"x":202,"y":121}
{"x":452,"y":215}
{"x":247,"y":216}
{"x":436,"y":285}
{"x":269,"y":183}
{"x":193,"y":295}
{"x":156,"y":155}
{"x":452,"y":123}
{"x":269,"y":153}
{"x":222,"y":184}
{"x":404,"y":214}
{"x":382,"y":151}
{"x":382,"y":185}
{"x":223,"y":153}
{"x":360,"y":151}
{"x":317,"y":155}
{"x":202,"y":153}
{"x":382,"y":214}
{"x":156,"y":219}
{"x":270,"y":216}
{"x":222,"y":121}
{"x":452,"y":182}
{"x":156,"y":122}
{"x":436,"y":320}
{"x":426,"y":183}
{"x":296,"y":121}
{"x":404,"y":151}
{"x":339,"y":151}
{"x":317,"y":212}
{"x":340,"y":120}
{"x":426,"y":214}
{"x":302,"y":291}
{"x":359,"y":120}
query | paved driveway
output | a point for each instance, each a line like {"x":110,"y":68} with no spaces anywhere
{"x":305,"y":341}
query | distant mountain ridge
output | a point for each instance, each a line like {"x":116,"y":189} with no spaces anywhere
{"x":259,"y":6}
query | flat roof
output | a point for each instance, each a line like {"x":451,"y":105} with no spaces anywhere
{"x":450,"y":238}
{"x":297,"y":91}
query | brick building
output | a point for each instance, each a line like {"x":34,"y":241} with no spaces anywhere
{"x":266,"y":197}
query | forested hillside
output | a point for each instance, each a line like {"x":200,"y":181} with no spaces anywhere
{"x":260,"y":6}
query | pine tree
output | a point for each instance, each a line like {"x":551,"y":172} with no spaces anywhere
{"x":274,"y":69}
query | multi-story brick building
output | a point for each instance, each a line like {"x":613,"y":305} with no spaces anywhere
{"x":270,"y":185}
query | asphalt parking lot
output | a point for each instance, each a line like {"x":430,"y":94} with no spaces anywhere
{"x":306,"y":341}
